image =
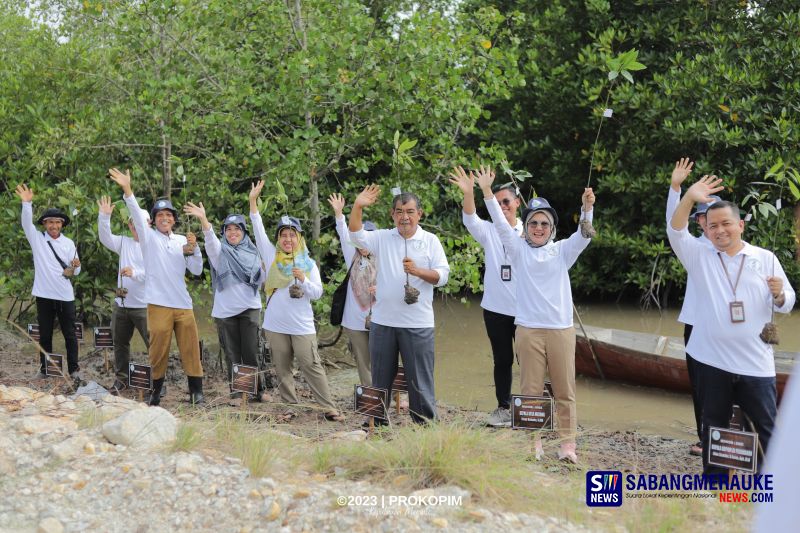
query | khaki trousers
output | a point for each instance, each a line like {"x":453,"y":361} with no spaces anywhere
{"x":161,"y":322}
{"x":358,"y":342}
{"x":553,"y":350}
{"x":285,"y":349}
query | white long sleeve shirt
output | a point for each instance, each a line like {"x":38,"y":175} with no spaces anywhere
{"x":164,"y":262}
{"x":284,"y":314}
{"x":690,"y":304}
{"x":130,"y":255}
{"x":354,"y":317}
{"x":237,"y":297}
{"x":715,"y":340}
{"x":544,"y":293}
{"x":498,"y":296}
{"x":390,"y":248}
{"x":48,"y":274}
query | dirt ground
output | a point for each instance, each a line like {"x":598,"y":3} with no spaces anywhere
{"x":627,"y":451}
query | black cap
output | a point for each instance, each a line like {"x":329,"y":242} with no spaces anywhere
{"x":54,"y":212}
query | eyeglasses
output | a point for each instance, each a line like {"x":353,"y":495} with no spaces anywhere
{"x":536,"y":224}
{"x":506,"y":201}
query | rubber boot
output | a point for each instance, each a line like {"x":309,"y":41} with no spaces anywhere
{"x":196,"y":390}
{"x":155,"y":394}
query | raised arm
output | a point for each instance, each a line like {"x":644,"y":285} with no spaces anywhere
{"x":571,"y":247}
{"x":265,"y":247}
{"x":466,"y":183}
{"x":682,"y":169}
{"x":26,"y":197}
{"x":507,"y":235}
{"x":139,"y":222}
{"x":337,"y":203}
{"x":360,"y":238}
{"x":697,"y":193}
{"x":107,"y":238}
{"x":213,"y":246}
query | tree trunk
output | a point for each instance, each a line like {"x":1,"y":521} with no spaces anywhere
{"x":166,"y":165}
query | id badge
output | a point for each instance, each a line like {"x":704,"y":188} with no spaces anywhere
{"x":505,"y":272}
{"x":737,"y":312}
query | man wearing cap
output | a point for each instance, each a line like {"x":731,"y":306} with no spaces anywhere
{"x":237,"y":274}
{"x":360,"y":298}
{"x":499,"y":298}
{"x":130,"y":307}
{"x":169,"y":306}
{"x":402,"y":319}
{"x":690,"y":304}
{"x":545,"y":336}
{"x":740,"y":286}
{"x":55,"y":261}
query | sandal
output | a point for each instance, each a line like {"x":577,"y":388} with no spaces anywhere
{"x":334,"y":417}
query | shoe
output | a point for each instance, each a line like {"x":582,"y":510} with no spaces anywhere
{"x":499,"y":418}
{"x":155,"y":394}
{"x":696,"y":449}
{"x":76,"y":375}
{"x":196,"y":396}
{"x":567,"y":453}
{"x":117,"y":387}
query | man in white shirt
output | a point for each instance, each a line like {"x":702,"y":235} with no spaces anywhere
{"x":130,"y":307}
{"x":740,"y":285}
{"x":412,"y":262}
{"x":499,"y":298}
{"x":55,"y":261}
{"x":169,"y":306}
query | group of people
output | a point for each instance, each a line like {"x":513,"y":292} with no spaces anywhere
{"x":388,"y":311}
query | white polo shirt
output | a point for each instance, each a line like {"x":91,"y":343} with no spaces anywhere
{"x":716,"y":341}
{"x":130,"y":255}
{"x":48,"y":274}
{"x":284,"y":314}
{"x":354,"y":317}
{"x":390,"y":248}
{"x":237,"y":297}
{"x":498,"y":296}
{"x":690,"y":304}
{"x":544,"y":294}
{"x":164,"y":262}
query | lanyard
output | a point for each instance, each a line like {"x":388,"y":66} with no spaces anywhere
{"x":738,"y":275}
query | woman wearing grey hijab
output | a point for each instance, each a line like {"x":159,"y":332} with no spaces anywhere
{"x":545,"y":336}
{"x":237,"y":273}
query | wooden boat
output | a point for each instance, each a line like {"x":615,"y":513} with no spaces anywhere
{"x":649,"y":360}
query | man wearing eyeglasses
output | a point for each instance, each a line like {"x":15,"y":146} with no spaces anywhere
{"x":499,"y":298}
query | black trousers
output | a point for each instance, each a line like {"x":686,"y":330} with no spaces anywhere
{"x":47,"y":311}
{"x":697,"y":399}
{"x":500,"y":329}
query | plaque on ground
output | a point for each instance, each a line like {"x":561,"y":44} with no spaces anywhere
{"x":531,"y":412}
{"x":244,"y":379}
{"x":399,"y":383}
{"x":729,"y":448}
{"x":140,"y":376}
{"x":737,"y":420}
{"x":33,"y":332}
{"x":370,"y":401}
{"x":79,"y":331}
{"x":54,"y":365}
{"x":103,"y":338}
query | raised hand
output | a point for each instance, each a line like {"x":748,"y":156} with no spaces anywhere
{"x":197,"y":210}
{"x":588,"y":199}
{"x":337,"y":203}
{"x":123,"y":180}
{"x":368,"y":196}
{"x":705,"y":186}
{"x":255,"y":191}
{"x":681,"y":171}
{"x":464,"y":181}
{"x":106,"y":207}
{"x":485,"y":178}
{"x":24,"y":193}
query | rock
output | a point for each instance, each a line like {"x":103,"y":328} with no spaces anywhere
{"x":477,"y":516}
{"x":355,"y":436}
{"x":439,"y":522}
{"x":45,"y":424}
{"x":142,"y":428}
{"x":186,"y":464}
{"x":274,"y":512}
{"x":45,"y":402}
{"x":89,"y":448}
{"x":91,"y":390}
{"x":50,"y":525}
{"x":7,"y":467}
{"x":18,"y":393}
{"x":254,"y":494}
{"x":302,"y":493}
{"x":401,"y":480}
{"x":338,"y":471}
{"x":69,"y":448}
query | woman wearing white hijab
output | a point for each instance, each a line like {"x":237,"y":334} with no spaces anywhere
{"x":545,"y":337}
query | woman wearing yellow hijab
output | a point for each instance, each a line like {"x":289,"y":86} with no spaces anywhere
{"x":293,"y":281}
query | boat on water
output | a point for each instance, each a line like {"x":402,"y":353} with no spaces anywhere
{"x":649,"y":360}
